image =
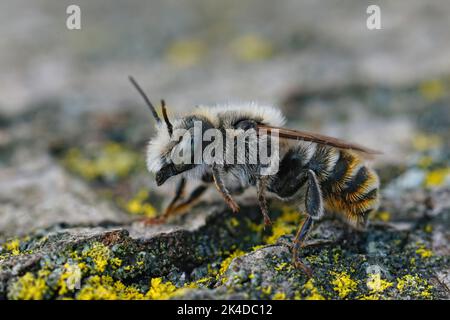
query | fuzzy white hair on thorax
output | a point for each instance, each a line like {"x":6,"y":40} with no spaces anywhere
{"x":265,"y":114}
{"x":161,"y":144}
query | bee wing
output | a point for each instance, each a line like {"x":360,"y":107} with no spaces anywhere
{"x":320,"y":139}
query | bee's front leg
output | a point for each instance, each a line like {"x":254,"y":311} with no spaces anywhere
{"x":178,"y":208}
{"x":193,"y":198}
{"x":181,"y":186}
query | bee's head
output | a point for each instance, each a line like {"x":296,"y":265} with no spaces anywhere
{"x":163,"y":152}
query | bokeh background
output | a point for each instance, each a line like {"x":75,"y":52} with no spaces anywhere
{"x":73,"y":131}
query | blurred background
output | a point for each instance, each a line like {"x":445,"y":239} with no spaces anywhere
{"x":73,"y":131}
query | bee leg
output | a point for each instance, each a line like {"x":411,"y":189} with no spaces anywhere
{"x":261,"y":186}
{"x":178,"y":195}
{"x":174,"y":209}
{"x":220,"y":186}
{"x":314,"y":210}
{"x":189,"y":202}
{"x":300,"y":237}
{"x":181,"y":208}
{"x":313,"y":200}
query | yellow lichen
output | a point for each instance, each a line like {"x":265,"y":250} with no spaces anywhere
{"x":234,"y":222}
{"x":314,"y":293}
{"x":425,"y":162}
{"x":384,"y":216}
{"x":432,"y":89}
{"x":343,"y":284}
{"x":105,"y":288}
{"x":280,"y":266}
{"x":251,"y":47}
{"x":267,"y":290}
{"x":371,"y":296}
{"x":139,"y":206}
{"x":437,"y":177}
{"x":70,"y":278}
{"x":287,"y":223}
{"x":226,"y":262}
{"x":376,"y":284}
{"x":279,"y":296}
{"x":13,"y":247}
{"x":161,"y":291}
{"x":423,"y":142}
{"x":186,"y":52}
{"x":29,"y":286}
{"x":415,"y":286}
{"x":257,"y":247}
{"x":99,"y":254}
{"x":424,"y":252}
{"x":111,"y":161}
{"x":255,"y":227}
{"x":116,"y":262}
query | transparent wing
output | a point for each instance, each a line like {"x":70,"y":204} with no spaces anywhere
{"x":319,"y":139}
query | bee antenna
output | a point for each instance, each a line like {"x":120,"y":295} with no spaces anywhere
{"x":146,"y":99}
{"x":166,"y":118}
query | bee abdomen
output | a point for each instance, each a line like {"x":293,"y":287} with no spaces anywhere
{"x":351,"y":189}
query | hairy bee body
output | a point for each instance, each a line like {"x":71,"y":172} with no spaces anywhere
{"x":316,"y":173}
{"x":347,"y":185}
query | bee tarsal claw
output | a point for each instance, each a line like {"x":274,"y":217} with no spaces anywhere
{"x":153,"y":221}
{"x":307,"y":270}
{"x":267,"y":222}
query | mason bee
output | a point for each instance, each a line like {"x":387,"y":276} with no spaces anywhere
{"x":315,"y":173}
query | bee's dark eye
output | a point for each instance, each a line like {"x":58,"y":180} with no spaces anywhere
{"x":245,"y":124}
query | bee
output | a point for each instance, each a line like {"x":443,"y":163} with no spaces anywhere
{"x":316,"y":173}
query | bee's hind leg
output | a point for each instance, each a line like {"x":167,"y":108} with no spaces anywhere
{"x":299,"y":239}
{"x":314,"y":210}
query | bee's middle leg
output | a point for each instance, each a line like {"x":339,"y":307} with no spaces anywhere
{"x":262,"y":186}
{"x":220,"y":186}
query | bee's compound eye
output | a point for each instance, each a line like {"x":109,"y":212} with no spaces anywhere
{"x":245,"y":124}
